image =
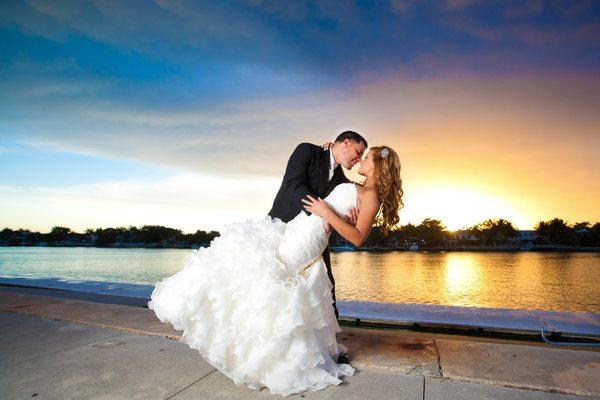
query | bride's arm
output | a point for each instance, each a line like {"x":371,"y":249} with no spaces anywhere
{"x":355,"y":234}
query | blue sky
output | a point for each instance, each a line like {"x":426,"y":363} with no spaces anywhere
{"x":23,"y":164}
{"x":106,"y":92}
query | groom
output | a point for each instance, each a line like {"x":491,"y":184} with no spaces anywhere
{"x":313,"y":171}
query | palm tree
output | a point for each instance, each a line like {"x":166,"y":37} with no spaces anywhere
{"x":581,"y":225}
{"x":59,"y":233}
{"x":432,"y":231}
{"x":556,"y":231}
{"x":493,"y":231}
{"x":584,"y":232}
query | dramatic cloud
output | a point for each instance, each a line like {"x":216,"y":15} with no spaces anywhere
{"x":498,"y":99}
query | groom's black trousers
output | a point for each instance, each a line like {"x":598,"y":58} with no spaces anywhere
{"x":327,"y":259}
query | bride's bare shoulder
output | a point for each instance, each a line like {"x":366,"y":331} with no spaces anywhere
{"x":367,"y":195}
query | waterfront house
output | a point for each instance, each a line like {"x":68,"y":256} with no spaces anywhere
{"x":462,"y":237}
{"x":527,"y":238}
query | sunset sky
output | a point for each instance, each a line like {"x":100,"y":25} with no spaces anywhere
{"x":184,"y":114}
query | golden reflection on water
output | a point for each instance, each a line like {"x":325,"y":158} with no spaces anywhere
{"x":518,"y":280}
{"x":461,"y":276}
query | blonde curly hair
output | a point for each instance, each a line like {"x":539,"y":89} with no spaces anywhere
{"x":388,"y":186}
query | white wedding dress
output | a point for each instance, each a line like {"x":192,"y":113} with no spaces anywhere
{"x":257,"y":303}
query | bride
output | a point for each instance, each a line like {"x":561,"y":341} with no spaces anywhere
{"x":257,"y":303}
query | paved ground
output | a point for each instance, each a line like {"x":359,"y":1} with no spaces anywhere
{"x":53,"y":348}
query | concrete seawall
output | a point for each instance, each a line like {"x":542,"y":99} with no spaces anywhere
{"x":556,"y":324}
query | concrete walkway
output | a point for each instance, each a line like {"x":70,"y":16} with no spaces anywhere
{"x":56,"y":348}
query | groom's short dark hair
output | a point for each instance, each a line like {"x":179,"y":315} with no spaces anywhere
{"x":353,"y":136}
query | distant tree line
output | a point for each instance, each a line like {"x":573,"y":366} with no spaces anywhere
{"x":489,"y":233}
{"x":146,"y":236}
{"x":430,"y":233}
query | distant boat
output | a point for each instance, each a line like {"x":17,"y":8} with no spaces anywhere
{"x":344,"y":247}
{"x":413,"y":247}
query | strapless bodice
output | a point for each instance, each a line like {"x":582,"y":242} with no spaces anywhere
{"x":305,"y":237}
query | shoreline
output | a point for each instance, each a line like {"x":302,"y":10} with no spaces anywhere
{"x":478,"y":249}
{"x":476,"y":321}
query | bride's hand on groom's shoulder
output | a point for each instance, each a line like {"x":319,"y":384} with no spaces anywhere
{"x":327,"y":145}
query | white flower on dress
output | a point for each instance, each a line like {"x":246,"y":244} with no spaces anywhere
{"x":290,"y":282}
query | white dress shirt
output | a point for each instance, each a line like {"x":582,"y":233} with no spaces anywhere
{"x":332,"y":164}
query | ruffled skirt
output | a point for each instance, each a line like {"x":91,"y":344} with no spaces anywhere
{"x":259,"y":323}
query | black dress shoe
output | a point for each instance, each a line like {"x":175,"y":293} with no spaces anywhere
{"x":343,"y":359}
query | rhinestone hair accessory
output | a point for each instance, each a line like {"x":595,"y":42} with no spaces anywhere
{"x":384,"y":152}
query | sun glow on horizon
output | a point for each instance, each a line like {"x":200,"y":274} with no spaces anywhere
{"x":459,"y":207}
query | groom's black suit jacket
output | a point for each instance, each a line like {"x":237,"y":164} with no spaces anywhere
{"x":307,"y":173}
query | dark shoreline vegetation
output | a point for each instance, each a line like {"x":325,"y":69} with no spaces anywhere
{"x":146,"y":236}
{"x":431,"y":234}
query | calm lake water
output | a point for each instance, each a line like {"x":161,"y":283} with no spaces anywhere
{"x":540,"y":281}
